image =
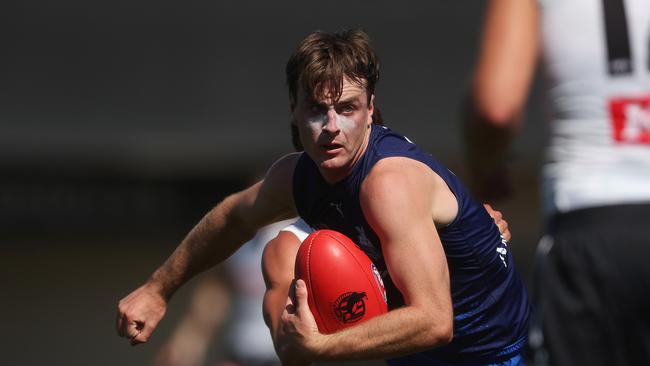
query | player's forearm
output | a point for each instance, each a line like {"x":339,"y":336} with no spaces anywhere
{"x":274,"y":302}
{"x":487,"y":142}
{"x":278,"y":261}
{"x":487,"y":145}
{"x":217,"y":235}
{"x":399,"y":332}
{"x":504,"y":72}
{"x":507,"y":60}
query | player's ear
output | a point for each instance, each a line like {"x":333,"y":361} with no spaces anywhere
{"x":371,"y":108}
{"x":292,"y":111}
{"x":293,"y":123}
{"x":292,"y":103}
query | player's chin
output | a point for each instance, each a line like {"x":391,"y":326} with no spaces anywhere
{"x":331,"y":162}
{"x":332,"y":166}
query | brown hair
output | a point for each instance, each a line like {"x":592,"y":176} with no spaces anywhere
{"x":323,"y":60}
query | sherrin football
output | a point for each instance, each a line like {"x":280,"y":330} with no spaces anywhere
{"x":343,"y":285}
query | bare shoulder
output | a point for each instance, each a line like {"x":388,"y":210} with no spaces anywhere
{"x":399,"y":183}
{"x":280,"y":175}
{"x":285,"y":164}
{"x":277,"y":186}
{"x":269,"y":200}
{"x":397,"y":175}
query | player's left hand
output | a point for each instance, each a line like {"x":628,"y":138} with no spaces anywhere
{"x":298,"y":335}
{"x":501,"y":223}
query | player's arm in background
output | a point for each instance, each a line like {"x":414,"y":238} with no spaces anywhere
{"x":278,"y":264}
{"x":219,"y":234}
{"x":504,"y":71}
{"x":499,"y":221}
{"x":397,"y":200}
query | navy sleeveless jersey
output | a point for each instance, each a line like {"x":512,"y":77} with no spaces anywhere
{"x":490,"y":302}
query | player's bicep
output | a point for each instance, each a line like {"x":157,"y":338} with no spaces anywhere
{"x":397,"y":202}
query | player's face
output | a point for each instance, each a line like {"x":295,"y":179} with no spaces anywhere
{"x":335,"y":132}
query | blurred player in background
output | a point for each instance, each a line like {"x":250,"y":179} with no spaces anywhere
{"x":237,"y":289}
{"x":594,"y":283}
{"x":454,"y":294}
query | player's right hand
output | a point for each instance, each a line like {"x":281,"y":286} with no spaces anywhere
{"x":138,"y":314}
{"x":298,"y":337}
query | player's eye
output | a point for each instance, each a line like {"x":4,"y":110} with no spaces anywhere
{"x":347,"y":108}
{"x":317,"y":108}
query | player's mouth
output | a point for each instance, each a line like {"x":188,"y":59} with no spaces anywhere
{"x":331,"y":148}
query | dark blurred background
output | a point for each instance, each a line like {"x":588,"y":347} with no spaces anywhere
{"x":123,"y":122}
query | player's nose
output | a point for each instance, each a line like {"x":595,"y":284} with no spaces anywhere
{"x":331,"y":122}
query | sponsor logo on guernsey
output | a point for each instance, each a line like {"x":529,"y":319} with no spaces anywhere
{"x":380,"y":282}
{"x":350,"y":307}
{"x":630,"y":120}
{"x":502,"y":249}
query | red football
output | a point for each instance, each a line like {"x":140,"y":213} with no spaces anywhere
{"x":343,"y":285}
